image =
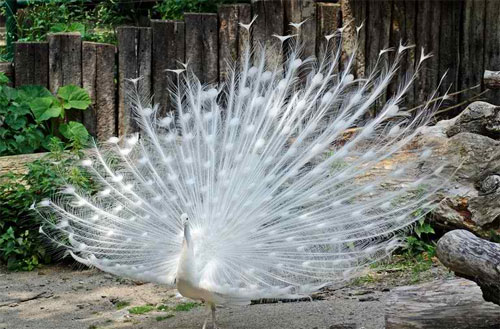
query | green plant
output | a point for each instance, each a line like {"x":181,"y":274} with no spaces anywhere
{"x":27,"y":113}
{"x":122,"y":304}
{"x":141,"y":309}
{"x":175,"y":9}
{"x":21,"y":245}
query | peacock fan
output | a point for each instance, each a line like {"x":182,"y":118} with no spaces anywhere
{"x":251,"y":189}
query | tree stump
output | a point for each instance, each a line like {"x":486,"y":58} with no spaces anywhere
{"x":443,"y":304}
{"x":472,"y":258}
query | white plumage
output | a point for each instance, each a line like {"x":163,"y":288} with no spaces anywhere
{"x":252,"y":189}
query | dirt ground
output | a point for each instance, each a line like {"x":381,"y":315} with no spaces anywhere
{"x":58,"y":297}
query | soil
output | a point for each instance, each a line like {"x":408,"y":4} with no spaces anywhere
{"x":59,"y":297}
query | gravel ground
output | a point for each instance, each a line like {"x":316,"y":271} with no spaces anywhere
{"x":59,"y":297}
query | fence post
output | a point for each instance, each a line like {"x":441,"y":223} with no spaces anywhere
{"x":134,"y":61}
{"x":168,"y":51}
{"x":329,"y":19}
{"x":202,"y":45}
{"x":232,"y":37}
{"x":270,"y":20}
{"x":98,"y":66}
{"x":492,"y":44}
{"x":297,"y":11}
{"x":65,"y":65}
{"x":31,"y":63}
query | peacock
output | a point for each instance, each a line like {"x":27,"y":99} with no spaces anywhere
{"x":273,"y":184}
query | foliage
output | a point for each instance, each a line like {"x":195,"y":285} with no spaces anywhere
{"x":163,"y":317}
{"x":141,"y":309}
{"x":21,"y":245}
{"x":26,"y":114}
{"x":175,"y":9}
{"x":94,"y":23}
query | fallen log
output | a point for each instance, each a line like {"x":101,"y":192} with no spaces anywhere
{"x":443,"y":304}
{"x":472,"y":258}
{"x":491,"y":79}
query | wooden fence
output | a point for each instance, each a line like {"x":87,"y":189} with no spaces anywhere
{"x":464,"y":37}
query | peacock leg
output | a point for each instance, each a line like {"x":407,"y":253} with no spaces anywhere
{"x":206,"y":318}
{"x":214,"y":326}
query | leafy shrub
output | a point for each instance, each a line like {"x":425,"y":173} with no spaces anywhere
{"x":94,"y":23}
{"x":26,"y":116}
{"x":175,"y":9}
{"x":21,"y":245}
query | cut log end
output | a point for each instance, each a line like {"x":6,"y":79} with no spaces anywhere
{"x":491,"y":79}
{"x":472,"y":258}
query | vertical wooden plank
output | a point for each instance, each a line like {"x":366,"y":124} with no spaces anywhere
{"x":168,"y":51}
{"x":8,"y":69}
{"x":98,"y":66}
{"x":403,"y":31}
{"x":31,"y":61}
{"x":232,"y":37}
{"x":297,"y":11}
{"x":270,"y":20}
{"x":360,"y":15}
{"x":329,"y":19}
{"x":378,"y":25}
{"x":202,"y":45}
{"x":65,"y":65}
{"x":472,"y":51}
{"x":492,"y":44}
{"x":134,"y":61}
{"x":428,"y":14}
{"x":449,"y":42}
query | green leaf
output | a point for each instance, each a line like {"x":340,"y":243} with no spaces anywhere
{"x":10,"y":93}
{"x":15,"y":122}
{"x":45,"y":108}
{"x":28,"y":93}
{"x":4,"y":79}
{"x":74,"y":97}
{"x":74,"y":131}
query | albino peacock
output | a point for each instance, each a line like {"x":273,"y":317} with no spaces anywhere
{"x":265,"y":186}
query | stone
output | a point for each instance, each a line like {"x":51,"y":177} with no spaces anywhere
{"x":480,"y":118}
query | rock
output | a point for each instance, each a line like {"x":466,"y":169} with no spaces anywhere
{"x":472,"y":258}
{"x":480,"y":118}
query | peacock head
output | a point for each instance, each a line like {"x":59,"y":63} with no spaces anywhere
{"x":185,"y":225}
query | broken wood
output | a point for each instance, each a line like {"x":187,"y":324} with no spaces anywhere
{"x":491,"y":79}
{"x":443,"y":304}
{"x":472,"y":258}
{"x":43,"y":294}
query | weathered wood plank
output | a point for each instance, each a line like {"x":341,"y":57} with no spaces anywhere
{"x":134,"y":61}
{"x":65,"y":65}
{"x":492,"y":44}
{"x":202,"y":45}
{"x":403,"y":31}
{"x":270,"y":20}
{"x":443,"y":304}
{"x":449,"y":41}
{"x":472,"y":50}
{"x":232,"y":37}
{"x":473,"y":258}
{"x":8,"y":69}
{"x":17,"y":164}
{"x":31,"y":63}
{"x":428,"y":12}
{"x":297,"y":11}
{"x":329,"y":19}
{"x":378,"y":26}
{"x":98,"y":65}
{"x":168,"y":52}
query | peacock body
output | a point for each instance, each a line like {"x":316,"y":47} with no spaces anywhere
{"x":262,"y":187}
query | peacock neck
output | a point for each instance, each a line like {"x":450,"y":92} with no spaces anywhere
{"x":186,"y":269}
